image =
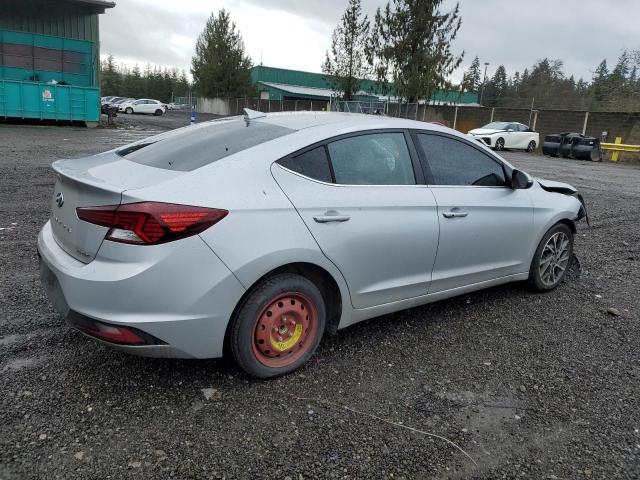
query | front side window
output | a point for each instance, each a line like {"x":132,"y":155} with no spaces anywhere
{"x":313,"y":164}
{"x":372,"y":159}
{"x":453,"y":162}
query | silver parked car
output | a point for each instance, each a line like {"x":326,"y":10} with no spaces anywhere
{"x":256,"y":235}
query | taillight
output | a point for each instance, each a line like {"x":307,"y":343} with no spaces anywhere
{"x":151,"y":223}
{"x":109,"y":332}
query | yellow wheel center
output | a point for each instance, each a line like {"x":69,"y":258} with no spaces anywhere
{"x":283,"y":345}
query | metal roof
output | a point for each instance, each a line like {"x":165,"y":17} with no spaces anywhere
{"x":298,"y":90}
{"x":103,"y":4}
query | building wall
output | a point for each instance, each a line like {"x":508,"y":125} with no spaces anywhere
{"x":48,"y":17}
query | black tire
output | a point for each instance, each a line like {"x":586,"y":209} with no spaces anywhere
{"x":128,"y":110}
{"x":531,"y":147}
{"x":535,"y":276}
{"x":499,"y":144}
{"x":158,"y":113}
{"x":242,"y":341}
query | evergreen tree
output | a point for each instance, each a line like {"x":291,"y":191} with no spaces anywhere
{"x":156,"y":82}
{"x":220,"y":67}
{"x":347,"y":65}
{"x":600,"y":83}
{"x":496,"y":88}
{"x":411,"y":46}
{"x":472,"y":80}
{"x":110,"y":79}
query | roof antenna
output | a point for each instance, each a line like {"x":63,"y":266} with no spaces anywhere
{"x":251,"y":115}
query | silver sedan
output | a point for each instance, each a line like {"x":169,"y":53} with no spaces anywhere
{"x":255,"y":235}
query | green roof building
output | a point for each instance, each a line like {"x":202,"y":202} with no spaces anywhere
{"x":283,"y":84}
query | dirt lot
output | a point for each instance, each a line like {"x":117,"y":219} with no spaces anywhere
{"x":529,"y":385}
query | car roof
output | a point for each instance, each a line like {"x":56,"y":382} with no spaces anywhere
{"x":341,"y":120}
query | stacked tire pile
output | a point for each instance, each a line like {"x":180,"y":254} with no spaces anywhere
{"x":572,"y":145}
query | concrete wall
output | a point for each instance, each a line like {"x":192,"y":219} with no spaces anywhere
{"x":616,"y":124}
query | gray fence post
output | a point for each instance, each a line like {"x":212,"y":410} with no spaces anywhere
{"x":455,"y":117}
{"x":493,"y":111}
{"x":586,"y":121}
{"x":535,"y":120}
{"x":311,"y":105}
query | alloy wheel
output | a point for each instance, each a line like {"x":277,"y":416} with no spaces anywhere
{"x":554,"y":259}
{"x":500,"y":144}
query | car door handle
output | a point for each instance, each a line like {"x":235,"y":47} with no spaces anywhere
{"x":454,"y":214}
{"x":331,"y":217}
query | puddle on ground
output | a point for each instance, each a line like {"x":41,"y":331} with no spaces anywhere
{"x":10,"y":339}
{"x":21,"y":363}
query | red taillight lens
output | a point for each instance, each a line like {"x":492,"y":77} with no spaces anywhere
{"x":151,"y":223}
{"x":109,"y":332}
{"x":113,"y":334}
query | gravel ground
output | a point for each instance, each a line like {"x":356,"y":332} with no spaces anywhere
{"x":530,"y":385}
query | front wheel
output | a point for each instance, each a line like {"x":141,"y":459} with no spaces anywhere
{"x":129,"y":110}
{"x":531,"y":147}
{"x":158,"y":113}
{"x":278,"y":326}
{"x":552,"y":258}
{"x":499,"y":144}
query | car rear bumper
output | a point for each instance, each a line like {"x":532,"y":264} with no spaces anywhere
{"x":180,"y":293}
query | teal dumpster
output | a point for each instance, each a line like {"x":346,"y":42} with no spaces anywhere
{"x":47,"y":78}
{"x":49,"y":102}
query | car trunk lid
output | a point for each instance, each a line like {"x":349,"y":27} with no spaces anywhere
{"x":90,"y":182}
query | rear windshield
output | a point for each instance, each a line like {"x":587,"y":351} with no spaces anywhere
{"x":193,"y":147}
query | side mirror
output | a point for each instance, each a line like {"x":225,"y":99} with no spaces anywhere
{"x":520,"y":180}
{"x":509,"y":130}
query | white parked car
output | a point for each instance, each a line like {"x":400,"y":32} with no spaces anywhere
{"x":501,"y":135}
{"x":144,"y":105}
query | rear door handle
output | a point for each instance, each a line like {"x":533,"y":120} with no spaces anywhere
{"x":331,"y":216}
{"x":454,"y":214}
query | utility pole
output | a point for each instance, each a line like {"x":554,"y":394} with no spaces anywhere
{"x":484,"y":81}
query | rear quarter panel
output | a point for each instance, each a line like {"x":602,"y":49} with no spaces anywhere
{"x":262,"y":231}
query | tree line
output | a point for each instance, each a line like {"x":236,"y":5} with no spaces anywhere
{"x":162,"y":84}
{"x":545,"y":85}
{"x":405,"y":51}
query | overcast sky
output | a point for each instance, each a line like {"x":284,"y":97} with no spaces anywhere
{"x":296,"y":33}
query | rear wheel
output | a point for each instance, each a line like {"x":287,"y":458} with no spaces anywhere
{"x":531,"y":147}
{"x":500,"y":144}
{"x":278,"y":326}
{"x":552,"y":258}
{"x":158,"y":113}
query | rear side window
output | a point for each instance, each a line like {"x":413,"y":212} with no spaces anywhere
{"x":313,"y":164}
{"x":193,"y":147}
{"x":453,"y":162}
{"x":372,"y":159}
